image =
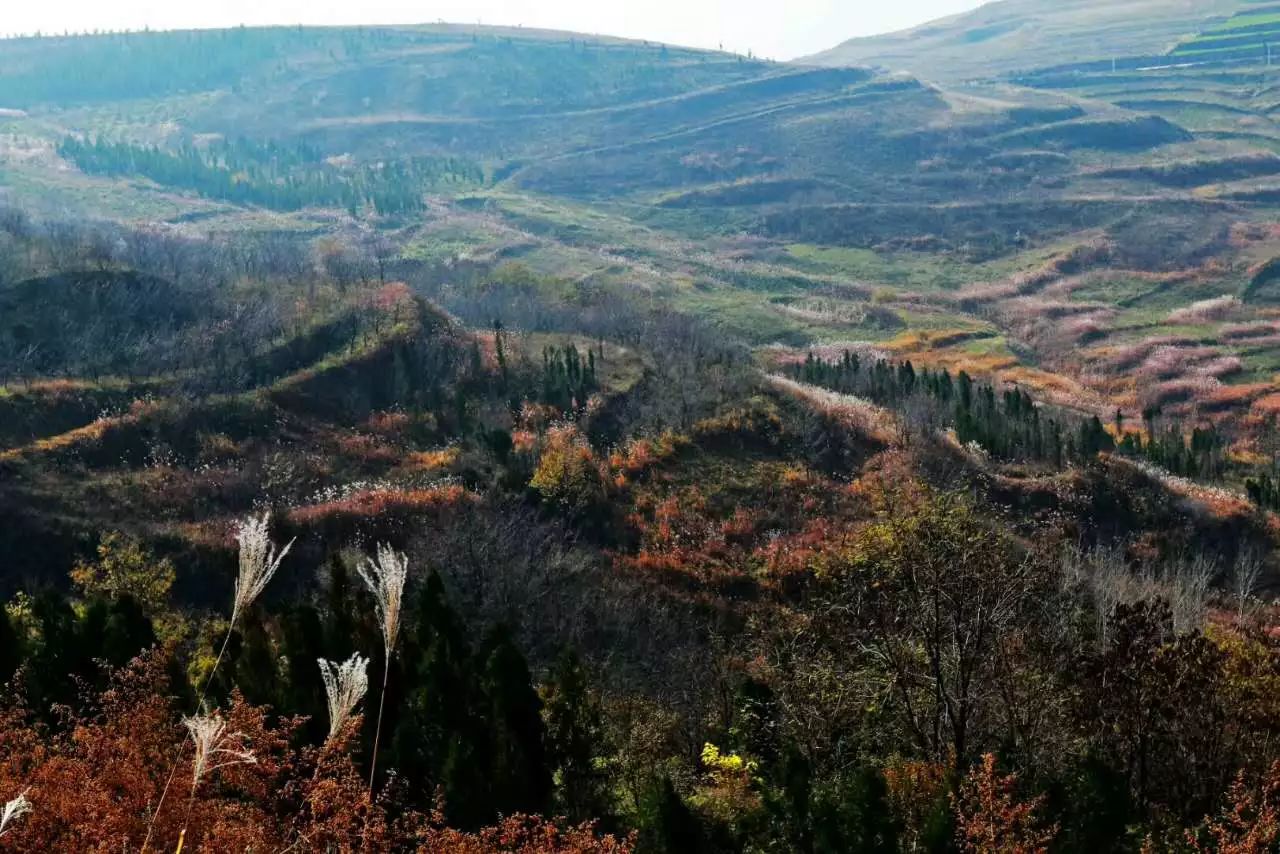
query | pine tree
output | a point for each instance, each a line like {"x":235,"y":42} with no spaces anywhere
{"x":301,"y":645}
{"x":126,"y":632}
{"x":575,"y":742}
{"x":253,"y":664}
{"x":11,"y":650}
{"x":440,"y":738}
{"x":59,"y":656}
{"x":499,"y":345}
{"x":520,"y":777}
{"x":666,"y":822}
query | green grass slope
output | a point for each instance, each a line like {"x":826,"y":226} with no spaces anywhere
{"x":1018,"y":35}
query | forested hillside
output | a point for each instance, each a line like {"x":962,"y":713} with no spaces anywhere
{"x":456,"y":439}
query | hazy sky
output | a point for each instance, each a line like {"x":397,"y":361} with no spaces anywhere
{"x":779,"y":29}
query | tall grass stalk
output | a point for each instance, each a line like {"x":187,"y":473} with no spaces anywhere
{"x":215,"y":748}
{"x":259,"y":560}
{"x":385,"y":577}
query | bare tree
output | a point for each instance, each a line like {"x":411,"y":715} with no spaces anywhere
{"x":1246,"y":572}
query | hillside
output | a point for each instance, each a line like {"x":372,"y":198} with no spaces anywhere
{"x":1010,"y":36}
{"x":1061,"y":231}
{"x":1056,"y":231}
{"x":468,"y":440}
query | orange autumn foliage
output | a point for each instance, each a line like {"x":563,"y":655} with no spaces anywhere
{"x":914,"y":787}
{"x":1250,"y":821}
{"x":523,"y":834}
{"x":638,"y":456}
{"x":990,"y":818}
{"x":568,"y":474}
{"x":93,"y":782}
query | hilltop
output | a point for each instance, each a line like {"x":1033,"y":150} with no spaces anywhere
{"x":1010,"y":36}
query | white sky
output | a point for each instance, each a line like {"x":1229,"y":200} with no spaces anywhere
{"x":778,"y":29}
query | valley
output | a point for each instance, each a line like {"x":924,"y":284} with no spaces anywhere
{"x":871,"y":452}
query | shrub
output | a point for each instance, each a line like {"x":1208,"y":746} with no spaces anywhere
{"x":568,"y":475}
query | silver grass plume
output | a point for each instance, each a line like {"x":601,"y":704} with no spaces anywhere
{"x":345,"y":684}
{"x":385,"y":577}
{"x":259,"y":560}
{"x":215,"y":747}
{"x":14,"y":809}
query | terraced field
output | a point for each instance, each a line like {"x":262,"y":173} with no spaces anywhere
{"x":1245,"y":37}
{"x":1103,"y":235}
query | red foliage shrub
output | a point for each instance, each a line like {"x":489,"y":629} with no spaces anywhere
{"x":989,"y":817}
{"x":378,"y":510}
{"x":94,"y":784}
{"x":1249,"y":822}
{"x":522,"y":834}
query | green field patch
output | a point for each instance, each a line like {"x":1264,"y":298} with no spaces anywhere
{"x":913,"y":271}
{"x":1246,"y":19}
{"x":749,"y":316}
{"x":1112,"y":291}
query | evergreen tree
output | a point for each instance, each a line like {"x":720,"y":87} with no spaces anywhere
{"x":11,"y":650}
{"x":575,"y":742}
{"x":440,"y":738}
{"x":301,"y":645}
{"x":521,"y":779}
{"x":253,"y":664}
{"x":666,"y":823}
{"x":127,"y":632}
{"x":500,"y":348}
{"x":59,"y":656}
{"x":853,"y":814}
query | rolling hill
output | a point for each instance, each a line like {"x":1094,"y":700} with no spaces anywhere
{"x":1060,"y":228}
{"x":1010,"y":36}
{"x":1029,"y":228}
{"x":761,"y":456}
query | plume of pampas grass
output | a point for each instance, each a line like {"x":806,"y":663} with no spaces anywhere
{"x":215,"y":747}
{"x":385,"y":577}
{"x":345,"y":685}
{"x":14,"y":809}
{"x":259,"y":561}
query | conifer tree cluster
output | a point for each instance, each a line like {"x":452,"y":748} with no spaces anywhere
{"x":1264,"y":491}
{"x":1009,"y":424}
{"x":274,"y":176}
{"x":469,"y":725}
{"x":568,"y":379}
{"x":1199,"y":453}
